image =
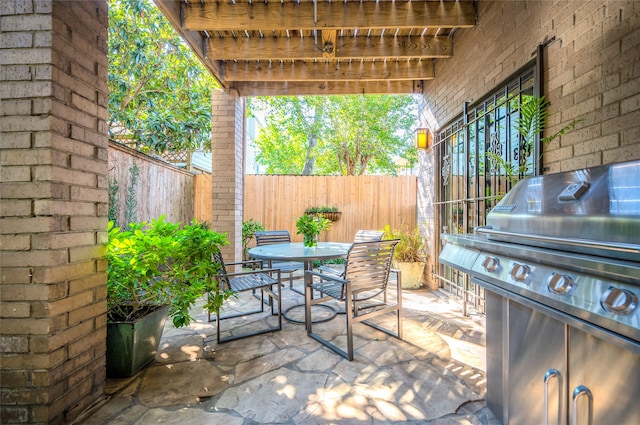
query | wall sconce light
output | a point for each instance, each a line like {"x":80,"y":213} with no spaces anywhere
{"x":423,"y":138}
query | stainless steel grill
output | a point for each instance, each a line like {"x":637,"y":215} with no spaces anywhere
{"x":560,"y":259}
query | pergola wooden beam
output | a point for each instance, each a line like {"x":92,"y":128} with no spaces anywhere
{"x":210,"y":16}
{"x":171,"y":10}
{"x":328,"y":46}
{"x":327,"y":71}
{"x":304,"y":48}
{"x":327,"y":88}
{"x":272,"y":48}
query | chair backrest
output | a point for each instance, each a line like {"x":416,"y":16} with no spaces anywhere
{"x":369,"y":264}
{"x":217,"y":257}
{"x":368,"y":235}
{"x":268,"y":237}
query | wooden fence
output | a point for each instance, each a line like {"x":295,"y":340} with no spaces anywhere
{"x":366,"y":202}
{"x":161,"y":189}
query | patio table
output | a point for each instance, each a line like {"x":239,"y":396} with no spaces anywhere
{"x":296,"y":251}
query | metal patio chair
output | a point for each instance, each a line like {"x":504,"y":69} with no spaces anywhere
{"x":368,"y":235}
{"x":268,"y":237}
{"x":361,"y":236}
{"x":253,"y":279}
{"x":365,"y":281}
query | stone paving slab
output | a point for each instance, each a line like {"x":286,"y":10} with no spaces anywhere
{"x":429,"y":378}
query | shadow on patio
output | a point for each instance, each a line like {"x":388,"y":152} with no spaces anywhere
{"x":434,"y":376}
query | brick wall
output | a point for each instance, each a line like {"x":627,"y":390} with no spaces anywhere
{"x":590,"y":72}
{"x":426,"y":214}
{"x":227,"y":171}
{"x":53,"y":208}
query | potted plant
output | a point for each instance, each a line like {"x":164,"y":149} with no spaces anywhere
{"x":155,"y":270}
{"x":408,"y":256}
{"x":310,"y":226}
{"x":330,"y":213}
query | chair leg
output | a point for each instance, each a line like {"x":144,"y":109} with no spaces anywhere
{"x":307,"y":308}
{"x":396,"y":309}
{"x":279,"y":313}
{"x":294,"y":289}
{"x":352,"y":310}
{"x":271,"y":295}
{"x":309,"y":302}
{"x":399,"y":302}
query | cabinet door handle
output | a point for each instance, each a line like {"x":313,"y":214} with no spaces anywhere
{"x":578,"y":392}
{"x":550,"y":374}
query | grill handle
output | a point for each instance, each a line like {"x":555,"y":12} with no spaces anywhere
{"x":578,"y":392}
{"x":551,"y":373}
{"x":610,"y":246}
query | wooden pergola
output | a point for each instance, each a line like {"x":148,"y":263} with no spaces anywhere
{"x":306,"y":47}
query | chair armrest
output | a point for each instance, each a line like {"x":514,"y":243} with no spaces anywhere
{"x":331,"y":270}
{"x":244,"y":262}
{"x":249,"y":272}
{"x":334,"y":278}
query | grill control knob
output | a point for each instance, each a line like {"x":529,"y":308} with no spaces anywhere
{"x":491,"y":264}
{"x":619,"y":301}
{"x":520,"y":273}
{"x":560,"y":284}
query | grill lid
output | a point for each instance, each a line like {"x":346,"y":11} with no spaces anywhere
{"x":594,"y":211}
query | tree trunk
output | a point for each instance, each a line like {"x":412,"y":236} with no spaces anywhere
{"x":310,"y":160}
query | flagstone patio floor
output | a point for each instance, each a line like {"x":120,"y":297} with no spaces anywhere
{"x":434,"y":376}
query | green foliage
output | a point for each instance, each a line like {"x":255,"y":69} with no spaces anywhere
{"x":316,"y":210}
{"x":131,"y":201}
{"x":310,"y":226}
{"x":534,"y":112}
{"x":160,"y":263}
{"x":249,"y":229}
{"x":159,"y":92}
{"x":114,"y":206}
{"x":410,"y":249}
{"x":533,"y":117}
{"x":336,"y":135}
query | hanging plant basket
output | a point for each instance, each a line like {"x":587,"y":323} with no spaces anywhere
{"x":333,"y":216}
{"x":330,"y":213}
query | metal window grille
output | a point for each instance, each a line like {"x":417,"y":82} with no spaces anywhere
{"x":480,"y":154}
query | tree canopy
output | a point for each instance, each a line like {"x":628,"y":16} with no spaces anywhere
{"x":336,"y":135}
{"x":159,"y":92}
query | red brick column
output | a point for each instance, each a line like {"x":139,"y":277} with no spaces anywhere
{"x":53,"y":208}
{"x":228,"y":172}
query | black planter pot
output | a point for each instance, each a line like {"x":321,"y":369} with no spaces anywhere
{"x":133,"y":345}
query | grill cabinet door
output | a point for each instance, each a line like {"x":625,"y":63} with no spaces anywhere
{"x":536,"y":365}
{"x":609,"y":377}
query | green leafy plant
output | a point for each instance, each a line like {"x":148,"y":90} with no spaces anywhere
{"x":410,"y":249}
{"x":249,"y":229}
{"x":310,"y":226}
{"x":131,"y":201}
{"x":161,"y":263}
{"x":532,"y":121}
{"x":316,"y":210}
{"x":114,"y":206}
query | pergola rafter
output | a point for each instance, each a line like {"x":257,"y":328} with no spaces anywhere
{"x":320,"y":47}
